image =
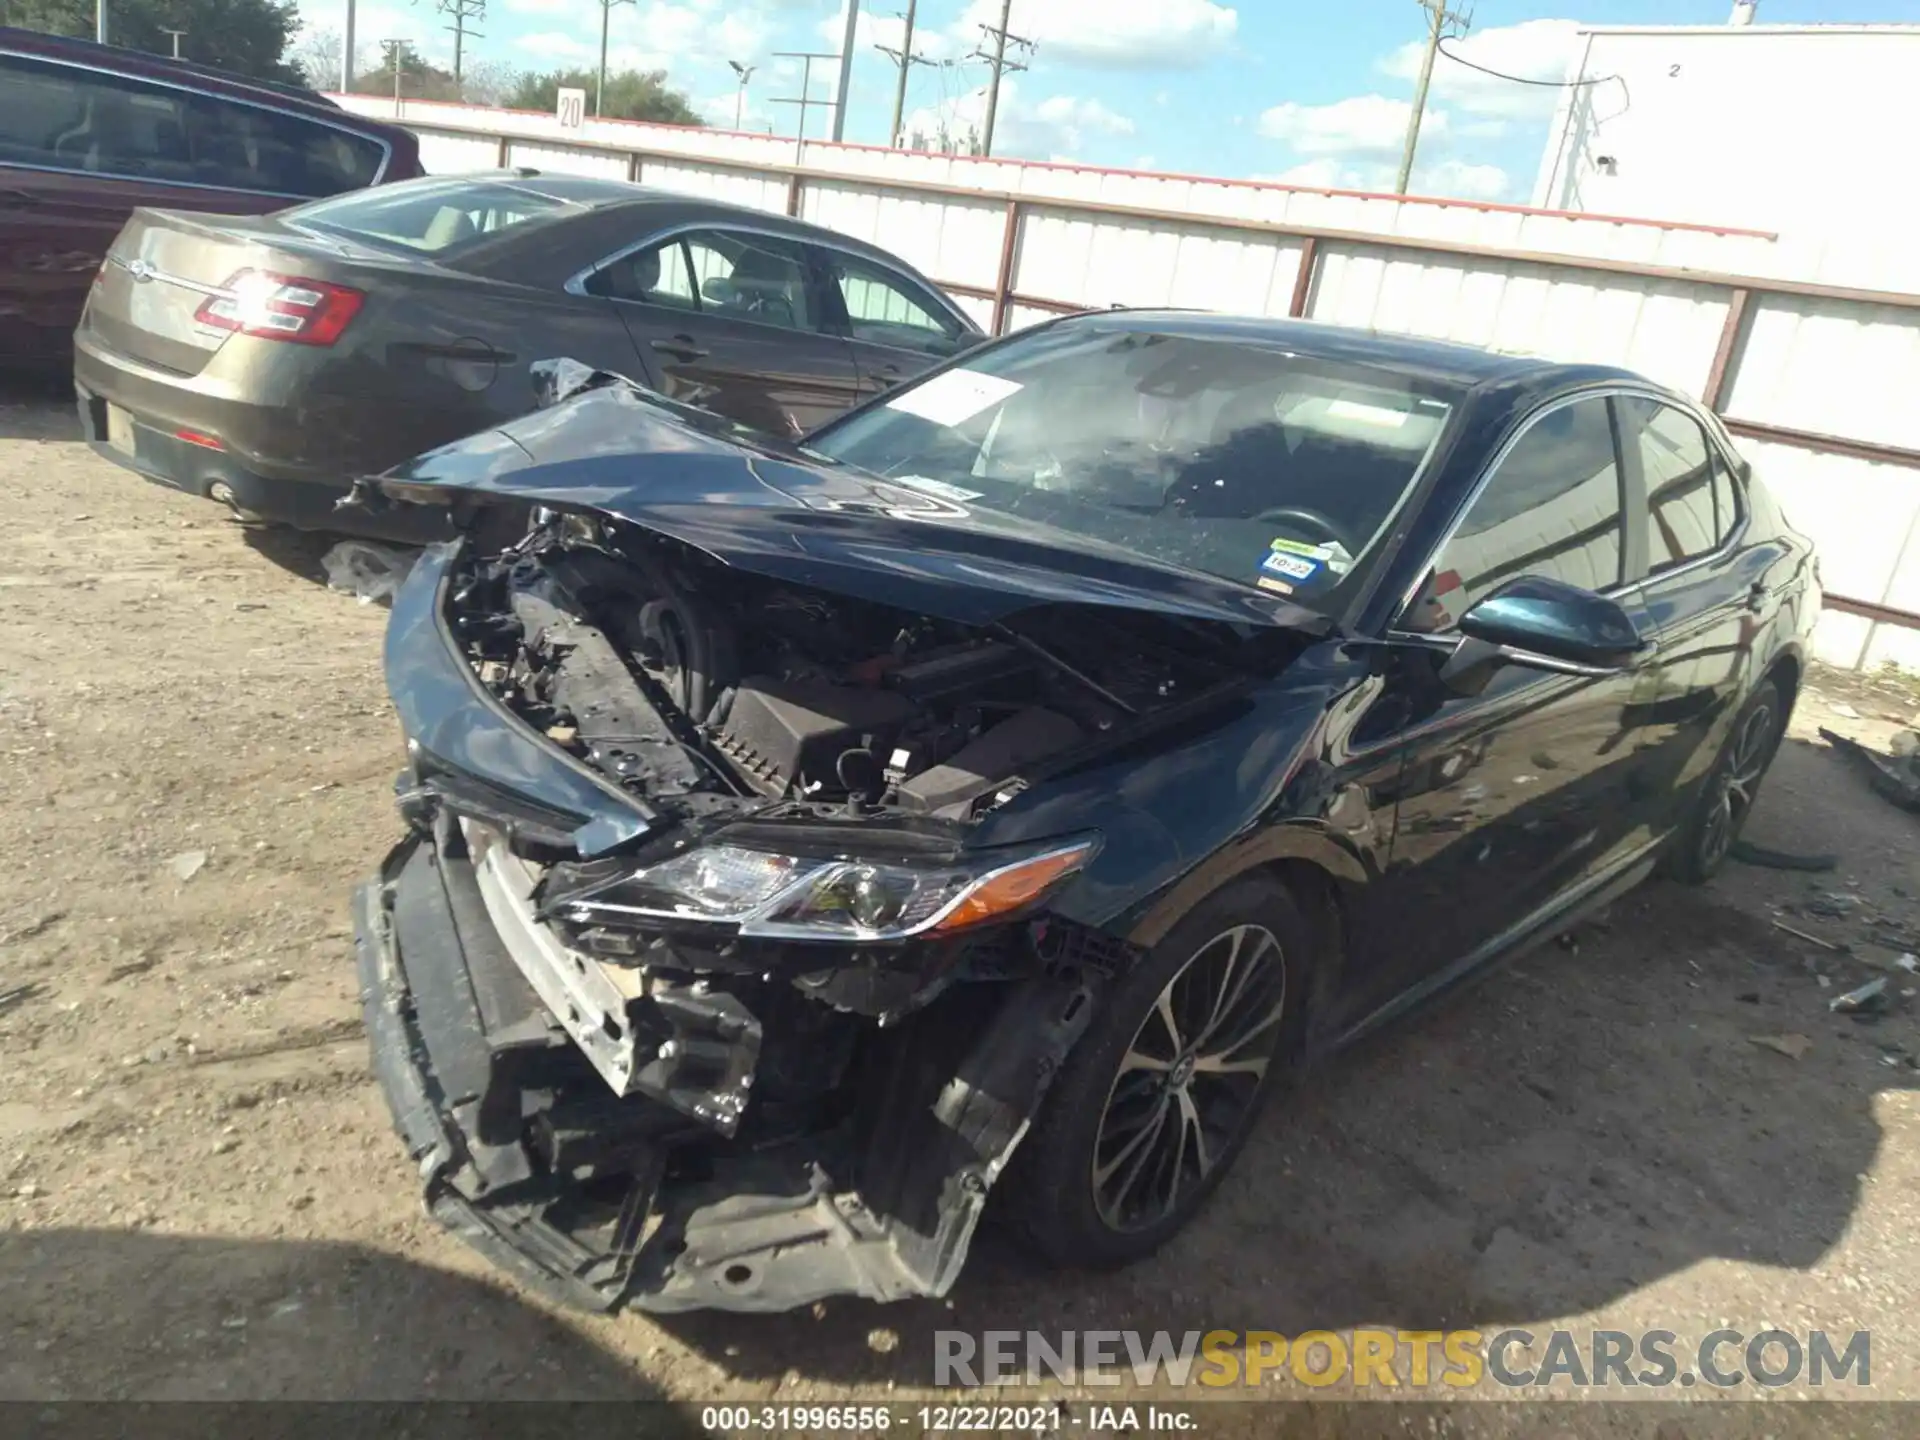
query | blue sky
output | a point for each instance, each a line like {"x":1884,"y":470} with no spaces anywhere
{"x":1278,"y":89}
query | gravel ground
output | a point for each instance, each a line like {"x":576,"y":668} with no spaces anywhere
{"x":200,"y":1194}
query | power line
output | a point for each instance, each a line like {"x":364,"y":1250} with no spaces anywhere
{"x":1439,"y":17}
{"x":1523,"y":80}
{"x":1001,"y":38}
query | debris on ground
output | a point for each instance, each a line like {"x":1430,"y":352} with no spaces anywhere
{"x":1843,"y":710}
{"x":36,"y":926}
{"x":1833,"y":905}
{"x":1793,"y":1046}
{"x":1895,"y":778}
{"x":1748,"y":853}
{"x":362,"y":568}
{"x":1837,"y":949}
{"x":13,"y":995}
{"x":1869,"y":998}
{"x":187,"y":864}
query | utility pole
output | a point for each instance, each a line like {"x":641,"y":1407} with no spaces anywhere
{"x":395,"y":49}
{"x":606,"y":19}
{"x":745,"y":72}
{"x":906,"y":60}
{"x":176,"y":34}
{"x":846,"y":72}
{"x":1001,"y":38}
{"x":1439,"y":19}
{"x":100,"y":21}
{"x":346,"y":54}
{"x":805,"y":99}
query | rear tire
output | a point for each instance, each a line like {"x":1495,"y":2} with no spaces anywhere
{"x":1701,"y":848}
{"x":1155,"y":1103}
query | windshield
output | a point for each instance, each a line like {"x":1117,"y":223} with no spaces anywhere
{"x":428,"y":218}
{"x":1236,"y":458}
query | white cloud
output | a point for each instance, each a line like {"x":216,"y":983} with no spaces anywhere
{"x":1056,"y":128}
{"x":1532,"y":50}
{"x":654,"y":34}
{"x":1358,"y":125}
{"x":555,"y":45}
{"x":1117,"y":33}
{"x":1447,"y":179}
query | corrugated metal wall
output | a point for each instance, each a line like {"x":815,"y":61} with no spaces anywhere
{"x":1827,"y":366}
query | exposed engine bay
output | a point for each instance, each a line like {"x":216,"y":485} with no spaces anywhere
{"x":673,"y":675}
{"x":778,"y":1041}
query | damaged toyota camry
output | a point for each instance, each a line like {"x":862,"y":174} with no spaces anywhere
{"x":1003,"y":790}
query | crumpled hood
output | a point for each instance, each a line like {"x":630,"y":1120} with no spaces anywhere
{"x":773,"y":509}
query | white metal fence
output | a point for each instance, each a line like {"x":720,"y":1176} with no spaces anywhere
{"x":1812,"y":369}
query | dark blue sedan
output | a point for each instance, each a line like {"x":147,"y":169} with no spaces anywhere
{"x":1002,"y":788}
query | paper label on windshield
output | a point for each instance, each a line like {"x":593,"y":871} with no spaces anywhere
{"x":938,"y":487}
{"x":954,"y":397}
{"x":1367,"y":414}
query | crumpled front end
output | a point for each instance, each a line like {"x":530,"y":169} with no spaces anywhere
{"x":704,"y":979}
{"x":872,"y":1188}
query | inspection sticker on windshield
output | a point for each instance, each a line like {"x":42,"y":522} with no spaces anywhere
{"x":1292,"y":567}
{"x":954,"y":397}
{"x":1300,"y":547}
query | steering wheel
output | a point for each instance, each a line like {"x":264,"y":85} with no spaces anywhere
{"x":1309,"y":519}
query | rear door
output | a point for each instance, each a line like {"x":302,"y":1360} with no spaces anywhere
{"x":733,"y":320}
{"x":897,"y":327}
{"x":80,"y":148}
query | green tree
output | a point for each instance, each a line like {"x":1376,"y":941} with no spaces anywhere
{"x":247,"y":37}
{"x":631,"y":95}
{"x":418,"y":79}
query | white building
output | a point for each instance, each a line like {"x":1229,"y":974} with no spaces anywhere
{"x":1811,"y":131}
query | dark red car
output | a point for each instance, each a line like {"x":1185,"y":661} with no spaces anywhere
{"x":88,"y":132}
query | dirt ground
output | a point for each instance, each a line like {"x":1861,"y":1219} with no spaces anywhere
{"x":201,"y":1196}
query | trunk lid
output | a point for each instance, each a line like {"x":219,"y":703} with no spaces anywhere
{"x":167,"y":263}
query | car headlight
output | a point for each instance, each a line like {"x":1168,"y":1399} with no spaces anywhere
{"x":803,"y":898}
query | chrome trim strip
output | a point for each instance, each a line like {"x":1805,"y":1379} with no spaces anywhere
{"x":1627,"y":587}
{"x":143,"y":271}
{"x":386,"y":146}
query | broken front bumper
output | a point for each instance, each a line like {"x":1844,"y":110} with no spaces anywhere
{"x":599,"y":1199}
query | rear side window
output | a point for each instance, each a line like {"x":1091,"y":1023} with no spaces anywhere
{"x":1552,"y":508}
{"x":64,"y":118}
{"x":1690,"y":506}
{"x":725,"y":273}
{"x":885,"y":308}
{"x":430,"y":217}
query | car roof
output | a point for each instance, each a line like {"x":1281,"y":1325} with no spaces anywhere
{"x":1440,"y":362}
{"x":209,"y":79}
{"x":617,"y":212}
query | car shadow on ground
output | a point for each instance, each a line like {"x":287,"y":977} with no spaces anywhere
{"x":1592,"y":1118}
{"x":298,"y":552}
{"x":37,"y":405}
{"x":290,"y":1320}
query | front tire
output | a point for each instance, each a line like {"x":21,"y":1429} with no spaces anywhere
{"x":1726,"y":800}
{"x":1157,"y":1100}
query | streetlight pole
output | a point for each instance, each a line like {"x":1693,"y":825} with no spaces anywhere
{"x":176,"y":34}
{"x":346,"y":54}
{"x":606,"y":18}
{"x":745,"y":72}
{"x":100,"y":21}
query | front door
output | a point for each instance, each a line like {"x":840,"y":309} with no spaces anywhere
{"x":897,"y":329}
{"x":733,"y":321}
{"x":1510,"y":797}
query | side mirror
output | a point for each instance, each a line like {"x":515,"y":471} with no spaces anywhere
{"x":1549,"y":625}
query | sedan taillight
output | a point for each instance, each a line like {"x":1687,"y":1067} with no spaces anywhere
{"x":281,"y":307}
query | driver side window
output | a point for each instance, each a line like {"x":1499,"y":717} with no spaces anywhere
{"x":1552,"y":508}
